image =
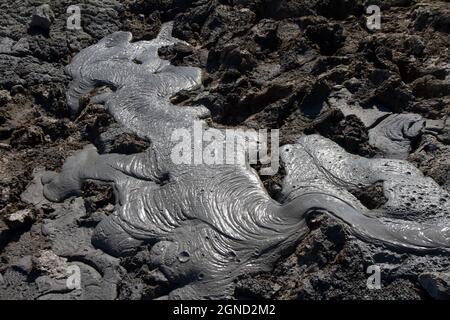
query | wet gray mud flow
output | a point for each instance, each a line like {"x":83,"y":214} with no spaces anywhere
{"x":92,"y":205}
{"x":210,"y":224}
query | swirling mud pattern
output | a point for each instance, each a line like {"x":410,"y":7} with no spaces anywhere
{"x":209,"y":224}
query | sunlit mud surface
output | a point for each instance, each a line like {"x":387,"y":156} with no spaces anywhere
{"x":90,"y":191}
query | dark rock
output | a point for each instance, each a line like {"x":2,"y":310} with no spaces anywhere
{"x":315,"y":100}
{"x":329,"y":37}
{"x":394,"y":95}
{"x":427,"y":15}
{"x":231,"y":57}
{"x":5,"y":97}
{"x":176,"y":53}
{"x":432,"y":157}
{"x":6,"y":45}
{"x":20,"y":218}
{"x":339,"y":9}
{"x":430,"y":87}
{"x":24,"y":265}
{"x":117,"y":140}
{"x":372,"y":197}
{"x":287,"y":9}
{"x":415,"y":45}
{"x":42,"y":17}
{"x":437,"y":285}
{"x":27,"y":136}
{"x":97,"y":199}
{"x":254,"y":288}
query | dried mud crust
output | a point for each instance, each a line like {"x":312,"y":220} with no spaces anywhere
{"x":266,"y":64}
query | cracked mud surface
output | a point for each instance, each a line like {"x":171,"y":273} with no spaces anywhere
{"x":303,"y":67}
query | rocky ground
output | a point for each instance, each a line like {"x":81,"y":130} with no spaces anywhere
{"x":294,"y":65}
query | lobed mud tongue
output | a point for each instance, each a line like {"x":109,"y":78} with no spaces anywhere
{"x":236,"y":224}
{"x":153,"y":228}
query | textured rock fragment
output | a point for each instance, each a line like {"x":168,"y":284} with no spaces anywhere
{"x":6,"y":45}
{"x":42,"y":17}
{"x":5,"y":97}
{"x":342,"y":100}
{"x":117,"y":140}
{"x":432,"y":157}
{"x":48,"y":262}
{"x":19,"y":218}
{"x":436,"y":284}
{"x":24,"y":265}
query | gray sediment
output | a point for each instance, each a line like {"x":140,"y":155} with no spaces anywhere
{"x":210,"y":224}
